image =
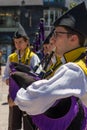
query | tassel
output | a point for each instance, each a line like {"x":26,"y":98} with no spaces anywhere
{"x":39,"y":36}
{"x":37,"y":41}
{"x":42,"y":29}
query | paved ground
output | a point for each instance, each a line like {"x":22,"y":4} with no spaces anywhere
{"x":3,"y":104}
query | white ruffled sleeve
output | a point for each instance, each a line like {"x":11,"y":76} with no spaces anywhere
{"x":68,"y":80}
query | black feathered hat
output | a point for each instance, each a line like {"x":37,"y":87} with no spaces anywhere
{"x":76,"y":19}
{"x":20,"y":32}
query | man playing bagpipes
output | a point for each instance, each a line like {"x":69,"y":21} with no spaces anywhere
{"x":55,"y":104}
{"x":21,"y":55}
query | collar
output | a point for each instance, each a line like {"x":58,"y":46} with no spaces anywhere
{"x":73,"y":55}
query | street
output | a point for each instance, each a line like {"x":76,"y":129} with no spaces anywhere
{"x":3,"y":103}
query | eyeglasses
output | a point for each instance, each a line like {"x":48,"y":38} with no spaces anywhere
{"x":56,"y":34}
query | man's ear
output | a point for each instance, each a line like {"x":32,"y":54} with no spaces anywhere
{"x":73,"y":37}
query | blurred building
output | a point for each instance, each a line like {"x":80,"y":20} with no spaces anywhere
{"x":28,"y":13}
{"x":52,"y":10}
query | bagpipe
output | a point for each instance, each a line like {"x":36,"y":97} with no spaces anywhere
{"x":22,"y":75}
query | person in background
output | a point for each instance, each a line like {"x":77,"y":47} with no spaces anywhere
{"x":24,"y":55}
{"x":55,"y":104}
{"x":49,"y":48}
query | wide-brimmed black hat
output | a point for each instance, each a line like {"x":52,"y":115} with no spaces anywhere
{"x":20,"y":32}
{"x":76,"y":19}
{"x":46,"y":41}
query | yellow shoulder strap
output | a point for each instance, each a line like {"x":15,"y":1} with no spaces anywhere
{"x":82,"y":64}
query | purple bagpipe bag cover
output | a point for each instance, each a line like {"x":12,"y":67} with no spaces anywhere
{"x":13,"y":86}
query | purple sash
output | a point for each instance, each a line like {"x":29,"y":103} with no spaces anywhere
{"x":45,"y":123}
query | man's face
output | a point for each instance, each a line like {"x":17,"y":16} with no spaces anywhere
{"x":20,"y":43}
{"x":61,"y":40}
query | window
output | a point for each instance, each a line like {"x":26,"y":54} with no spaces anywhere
{"x":48,"y":0}
{"x":51,"y":15}
{"x":7,"y":18}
